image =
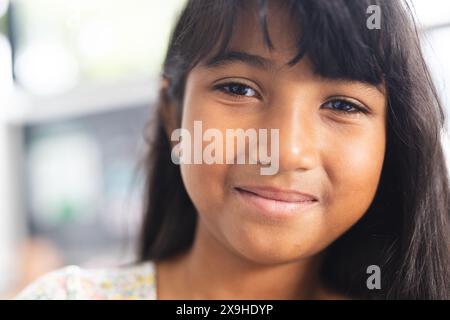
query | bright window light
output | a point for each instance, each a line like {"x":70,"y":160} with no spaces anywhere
{"x":432,"y":12}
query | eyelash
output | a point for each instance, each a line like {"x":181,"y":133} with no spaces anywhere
{"x":223,"y":88}
{"x":356,"y":108}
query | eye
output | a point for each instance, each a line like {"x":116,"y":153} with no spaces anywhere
{"x":237,"y":90}
{"x":344,"y":106}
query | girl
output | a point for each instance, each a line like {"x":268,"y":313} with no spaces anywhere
{"x":360,"y":204}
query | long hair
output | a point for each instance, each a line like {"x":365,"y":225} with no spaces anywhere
{"x":406,"y":229}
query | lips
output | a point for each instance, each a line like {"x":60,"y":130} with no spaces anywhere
{"x":275,"y":204}
{"x":276,"y":194}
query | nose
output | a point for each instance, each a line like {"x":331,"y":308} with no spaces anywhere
{"x":298,"y":136}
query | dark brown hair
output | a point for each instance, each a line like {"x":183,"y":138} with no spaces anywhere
{"x":406,"y":229}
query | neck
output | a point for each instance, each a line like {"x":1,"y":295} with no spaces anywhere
{"x":209,"y":270}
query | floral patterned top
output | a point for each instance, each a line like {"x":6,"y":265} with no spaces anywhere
{"x":74,"y":283}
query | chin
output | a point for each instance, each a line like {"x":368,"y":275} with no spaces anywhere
{"x":269,"y":250}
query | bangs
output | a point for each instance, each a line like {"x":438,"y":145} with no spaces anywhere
{"x":332,"y":34}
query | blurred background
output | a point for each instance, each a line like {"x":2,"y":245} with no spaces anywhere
{"x":78,"y":82}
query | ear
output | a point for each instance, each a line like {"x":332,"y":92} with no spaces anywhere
{"x":167,"y":109}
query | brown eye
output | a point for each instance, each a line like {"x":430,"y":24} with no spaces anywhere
{"x":341,"y":105}
{"x":237,"y":89}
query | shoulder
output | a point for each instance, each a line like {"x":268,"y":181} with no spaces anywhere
{"x":72,"y":283}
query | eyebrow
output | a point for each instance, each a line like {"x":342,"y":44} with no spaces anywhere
{"x":229,"y":57}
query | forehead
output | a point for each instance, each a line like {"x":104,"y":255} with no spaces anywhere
{"x":248,"y":35}
{"x":247,"y":44}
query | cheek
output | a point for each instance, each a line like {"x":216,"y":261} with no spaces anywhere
{"x":205,"y":186}
{"x":204,"y":183}
{"x":354,"y":169}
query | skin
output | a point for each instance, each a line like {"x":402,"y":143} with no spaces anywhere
{"x":338,"y":156}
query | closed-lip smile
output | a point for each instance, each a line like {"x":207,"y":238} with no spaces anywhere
{"x":277,"y":194}
{"x":275,"y":203}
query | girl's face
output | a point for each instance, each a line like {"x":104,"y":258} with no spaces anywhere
{"x":332,"y":137}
